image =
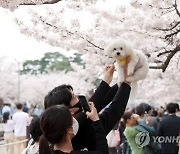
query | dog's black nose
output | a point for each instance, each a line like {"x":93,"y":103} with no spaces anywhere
{"x":118,"y":53}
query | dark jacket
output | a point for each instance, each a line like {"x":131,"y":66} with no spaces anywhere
{"x":169,"y":127}
{"x":109,"y":117}
{"x":100,"y":141}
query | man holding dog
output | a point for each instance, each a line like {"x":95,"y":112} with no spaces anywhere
{"x":104,"y":94}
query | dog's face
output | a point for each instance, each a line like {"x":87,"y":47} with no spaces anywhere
{"x":118,"y":49}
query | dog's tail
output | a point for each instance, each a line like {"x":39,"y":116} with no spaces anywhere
{"x":134,"y":87}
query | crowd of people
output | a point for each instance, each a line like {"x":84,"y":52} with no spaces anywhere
{"x":15,"y":122}
{"x":64,"y":127}
{"x":160,"y":125}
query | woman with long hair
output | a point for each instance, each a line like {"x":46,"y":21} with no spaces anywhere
{"x":59,"y":127}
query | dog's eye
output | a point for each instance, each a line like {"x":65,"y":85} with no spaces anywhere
{"x":114,"y":48}
{"x":121,"y":48}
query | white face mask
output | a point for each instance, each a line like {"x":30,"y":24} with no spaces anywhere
{"x":75,"y":126}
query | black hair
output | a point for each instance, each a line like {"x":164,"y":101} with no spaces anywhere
{"x":54,"y":124}
{"x":35,"y":129}
{"x":140,"y":110}
{"x":147,"y":107}
{"x":19,"y":106}
{"x":59,"y":95}
{"x":176,"y":106}
{"x":171,"y":108}
{"x":5,"y":117}
{"x":155,"y":113}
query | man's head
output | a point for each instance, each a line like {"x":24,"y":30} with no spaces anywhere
{"x":171,"y":108}
{"x":147,"y":108}
{"x":62,"y":94}
{"x":140,"y":110}
{"x":19,"y":106}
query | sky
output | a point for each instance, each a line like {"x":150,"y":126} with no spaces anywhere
{"x":16,"y":45}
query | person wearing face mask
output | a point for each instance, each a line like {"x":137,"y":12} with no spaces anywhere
{"x":57,"y":125}
{"x":104,"y":94}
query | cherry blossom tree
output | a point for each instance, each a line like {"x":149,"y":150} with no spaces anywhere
{"x":150,"y":26}
{"x":33,"y":88}
{"x":15,"y":4}
{"x":8,"y":78}
{"x":12,"y":5}
{"x":160,"y":88}
{"x":161,"y":21}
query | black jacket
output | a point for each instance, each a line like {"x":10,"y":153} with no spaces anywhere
{"x":109,"y":117}
{"x":100,"y":138}
{"x":169,"y":127}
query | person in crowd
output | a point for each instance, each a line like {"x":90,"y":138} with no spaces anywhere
{"x":134,"y":126}
{"x":152,"y":120}
{"x":25,"y":108}
{"x":144,"y":110}
{"x":38,"y":109}
{"x":155,"y":113}
{"x":139,"y":110}
{"x":177,"y":109}
{"x":7,"y":108}
{"x":124,"y":147}
{"x":35,"y":133}
{"x":8,"y":127}
{"x":103,"y":95}
{"x":161,"y":111}
{"x":130,"y":132}
{"x":58,"y":128}
{"x":21,"y":121}
{"x":170,"y":127}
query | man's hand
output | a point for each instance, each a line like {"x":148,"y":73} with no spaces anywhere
{"x":93,"y":115}
{"x":148,"y":120}
{"x":108,"y":73}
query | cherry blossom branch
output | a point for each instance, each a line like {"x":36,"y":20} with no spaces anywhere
{"x":40,"y":3}
{"x":90,"y":42}
{"x":94,"y":45}
{"x":172,"y":34}
{"x":168,"y":59}
{"x":163,"y":53}
{"x":168,"y":29}
{"x":177,"y":11}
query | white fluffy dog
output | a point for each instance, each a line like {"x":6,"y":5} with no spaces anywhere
{"x":137,"y":65}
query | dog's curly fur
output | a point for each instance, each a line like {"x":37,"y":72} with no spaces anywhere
{"x":137,"y":68}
